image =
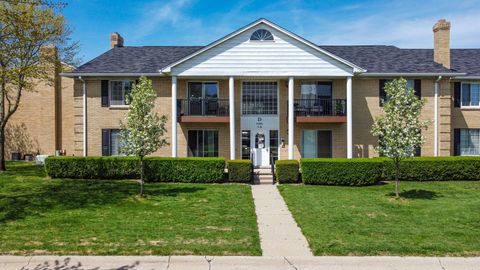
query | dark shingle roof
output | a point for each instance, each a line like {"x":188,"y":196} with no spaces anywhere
{"x":146,"y":59}
{"x":373,"y":58}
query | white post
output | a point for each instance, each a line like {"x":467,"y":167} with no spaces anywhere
{"x":290,"y":118}
{"x":174,"y":116}
{"x":84,"y":112}
{"x":435,"y":111}
{"x":231,"y":112}
{"x":349,"y":118}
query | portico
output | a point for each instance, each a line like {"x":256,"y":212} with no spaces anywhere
{"x":275,"y":84}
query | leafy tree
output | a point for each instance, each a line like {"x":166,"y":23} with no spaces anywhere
{"x":143,"y":132}
{"x":31,"y":32}
{"x":400,"y":128}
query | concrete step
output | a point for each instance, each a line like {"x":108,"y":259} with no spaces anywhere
{"x":262,"y":171}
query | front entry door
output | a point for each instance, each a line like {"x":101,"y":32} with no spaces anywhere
{"x":261,"y":148}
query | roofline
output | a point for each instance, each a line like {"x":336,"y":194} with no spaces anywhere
{"x":428,"y":74}
{"x":468,"y":77}
{"x":356,"y":69}
{"x":73,"y":74}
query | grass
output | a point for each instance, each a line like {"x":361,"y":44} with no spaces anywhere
{"x":430,"y":218}
{"x":50,"y":216}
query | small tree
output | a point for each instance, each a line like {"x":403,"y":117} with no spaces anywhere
{"x":400,"y":128}
{"x":27,"y":29}
{"x":143,"y":132}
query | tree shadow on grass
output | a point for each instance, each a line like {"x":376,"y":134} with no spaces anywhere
{"x":31,"y":198}
{"x":67,"y":265}
{"x":417,"y":194}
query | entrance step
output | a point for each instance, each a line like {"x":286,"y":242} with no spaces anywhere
{"x":262,"y":176}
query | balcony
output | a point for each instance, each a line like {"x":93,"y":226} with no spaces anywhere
{"x":202,"y":110}
{"x":320,"y":110}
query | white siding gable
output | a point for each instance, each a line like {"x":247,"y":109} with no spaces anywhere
{"x":285,"y":56}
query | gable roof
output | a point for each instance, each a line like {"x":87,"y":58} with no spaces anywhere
{"x":276,"y":27}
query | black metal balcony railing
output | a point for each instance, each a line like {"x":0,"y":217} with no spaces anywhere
{"x":202,"y":107}
{"x":320,"y":107}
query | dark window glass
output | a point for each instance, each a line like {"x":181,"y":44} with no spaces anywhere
{"x":246,"y":144}
{"x":261,"y":35}
{"x":203,"y":143}
{"x":273,"y":145}
{"x":324,"y":143}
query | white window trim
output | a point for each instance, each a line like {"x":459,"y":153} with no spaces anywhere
{"x":123,"y":93}
{"x":461,"y":96}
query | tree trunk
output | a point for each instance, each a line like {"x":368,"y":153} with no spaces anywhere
{"x":141,"y":176}
{"x":2,"y":150}
{"x":396,"y":178}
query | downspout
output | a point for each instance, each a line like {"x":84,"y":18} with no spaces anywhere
{"x":84,"y":115}
{"x":435,"y":132}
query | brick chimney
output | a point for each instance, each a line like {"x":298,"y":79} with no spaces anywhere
{"x":441,"y":42}
{"x":116,"y":40}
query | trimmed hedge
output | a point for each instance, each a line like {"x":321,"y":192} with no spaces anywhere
{"x":286,"y":171}
{"x":186,"y":170}
{"x":92,"y":167}
{"x":157,"y":169}
{"x":435,"y":169}
{"x":341,"y":171}
{"x":239,"y":171}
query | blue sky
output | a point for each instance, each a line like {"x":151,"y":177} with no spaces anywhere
{"x":406,"y":24}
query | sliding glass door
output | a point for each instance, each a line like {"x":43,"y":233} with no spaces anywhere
{"x":316,"y":143}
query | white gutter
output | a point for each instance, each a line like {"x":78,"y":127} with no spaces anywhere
{"x":73,"y":74}
{"x":468,"y":77}
{"x":84,"y":115}
{"x":435,"y":132}
{"x":411,"y":74}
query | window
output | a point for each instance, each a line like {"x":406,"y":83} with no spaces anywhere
{"x":261,"y":35}
{"x":413,"y":84}
{"x":203,"y":98}
{"x":119,"y":90}
{"x":316,"y":97}
{"x":246,"y":144}
{"x":273,"y":145}
{"x":316,"y":143}
{"x":259,"y":98}
{"x":111,"y":142}
{"x":470,"y":94}
{"x":203,"y":143}
{"x":469,"y":142}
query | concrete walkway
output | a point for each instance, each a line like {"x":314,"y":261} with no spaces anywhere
{"x":279,"y":233}
{"x":238,"y":263}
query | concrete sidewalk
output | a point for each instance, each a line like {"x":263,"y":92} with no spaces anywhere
{"x":238,"y":263}
{"x":279,"y":233}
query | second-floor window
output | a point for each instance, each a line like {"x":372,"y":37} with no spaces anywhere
{"x":119,"y":91}
{"x":470,"y":95}
{"x":414,"y":84}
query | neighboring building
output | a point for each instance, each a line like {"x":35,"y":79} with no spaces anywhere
{"x":263,"y":92}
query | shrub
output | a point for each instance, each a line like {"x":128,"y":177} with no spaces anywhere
{"x":435,"y":169}
{"x":187,"y":170}
{"x":286,"y":171}
{"x":239,"y":171}
{"x":92,"y":167}
{"x":341,"y":171}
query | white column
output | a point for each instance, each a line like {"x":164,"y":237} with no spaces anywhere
{"x":174,"y":116}
{"x":231,"y":112}
{"x":349,"y":118}
{"x":291,"y":118}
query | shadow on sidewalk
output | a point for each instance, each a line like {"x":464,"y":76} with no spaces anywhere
{"x":67,"y":265}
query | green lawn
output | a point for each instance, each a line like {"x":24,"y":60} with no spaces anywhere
{"x":431,"y":218}
{"x":45,"y":216}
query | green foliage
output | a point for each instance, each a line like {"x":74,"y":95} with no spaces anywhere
{"x":239,"y":171}
{"x":186,"y":170}
{"x":92,"y":167}
{"x":436,"y":169}
{"x":143,"y":132}
{"x":286,"y":171}
{"x":341,"y":171}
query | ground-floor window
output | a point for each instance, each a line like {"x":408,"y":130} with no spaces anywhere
{"x":111,"y":142}
{"x":203,"y":143}
{"x":246,"y":149}
{"x":273,"y":145}
{"x":468,"y":142}
{"x":316,"y":143}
